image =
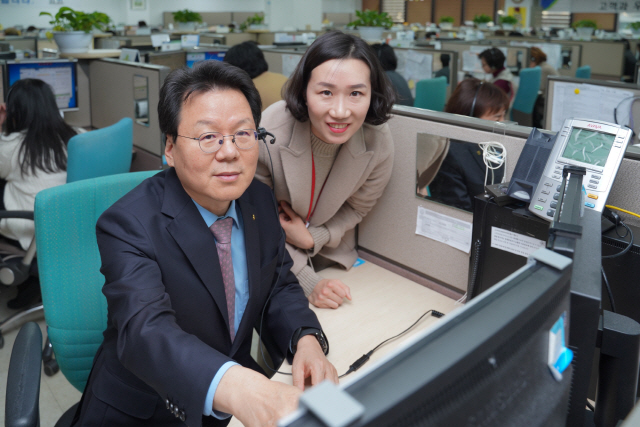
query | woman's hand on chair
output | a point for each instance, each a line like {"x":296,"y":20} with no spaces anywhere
{"x":294,"y":227}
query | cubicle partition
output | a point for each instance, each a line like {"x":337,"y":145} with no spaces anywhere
{"x":283,"y":61}
{"x":211,"y":18}
{"x":517,"y":57}
{"x":389,"y":231}
{"x":126,"y":89}
{"x":172,"y":60}
{"x":422,"y":63}
{"x":19,"y":43}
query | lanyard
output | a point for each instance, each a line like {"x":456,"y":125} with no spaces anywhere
{"x":312,"y":208}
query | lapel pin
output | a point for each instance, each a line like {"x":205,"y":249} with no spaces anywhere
{"x":254,"y":217}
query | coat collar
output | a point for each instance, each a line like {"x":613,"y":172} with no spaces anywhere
{"x":349,"y":166}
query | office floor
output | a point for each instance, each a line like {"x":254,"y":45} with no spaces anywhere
{"x":56,"y":393}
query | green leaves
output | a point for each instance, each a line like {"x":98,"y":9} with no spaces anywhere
{"x":585,"y":23}
{"x":508,"y":19}
{"x":447,"y":19}
{"x":372,"y":18}
{"x":482,"y":19}
{"x":68,"y":19}
{"x":186,"y":16}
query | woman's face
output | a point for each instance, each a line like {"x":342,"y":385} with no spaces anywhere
{"x":496,"y":116}
{"x":485,"y":66}
{"x":338,"y":98}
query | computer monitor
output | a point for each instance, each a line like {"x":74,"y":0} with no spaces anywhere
{"x":194,"y":57}
{"x":486,"y":364}
{"x":60,"y":74}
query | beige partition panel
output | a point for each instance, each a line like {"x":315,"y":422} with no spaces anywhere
{"x":82,"y":117}
{"x":22,"y":43}
{"x":240,"y":17}
{"x":233,"y":39}
{"x":266,"y":39}
{"x":112,"y":98}
{"x":211,"y":18}
{"x":389,"y":229}
{"x":172,"y":60}
{"x":282,"y":60}
{"x":339,"y":19}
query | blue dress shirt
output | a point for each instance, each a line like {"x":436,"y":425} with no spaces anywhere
{"x":241,"y":277}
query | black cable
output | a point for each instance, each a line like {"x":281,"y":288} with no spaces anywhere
{"x":629,"y":245}
{"x":365,"y":358}
{"x":606,"y":283}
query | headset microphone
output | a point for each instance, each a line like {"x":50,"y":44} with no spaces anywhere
{"x":262,"y":134}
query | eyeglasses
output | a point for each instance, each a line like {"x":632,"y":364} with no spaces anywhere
{"x":210,"y":142}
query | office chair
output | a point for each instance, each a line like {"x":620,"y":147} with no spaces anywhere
{"x":70,"y":280}
{"x":92,"y":154}
{"x":584,"y":72}
{"x":431,"y":94}
{"x":525,"y":99}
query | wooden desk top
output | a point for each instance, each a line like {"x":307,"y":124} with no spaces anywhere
{"x":93,"y":54}
{"x":384,"y":304}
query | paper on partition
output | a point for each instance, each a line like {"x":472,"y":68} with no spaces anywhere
{"x":445,"y":229}
{"x":289,"y":63}
{"x":584,"y":101}
{"x":515,"y":243}
{"x":416,"y":66}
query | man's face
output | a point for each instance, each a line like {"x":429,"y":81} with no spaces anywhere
{"x":213,"y":180}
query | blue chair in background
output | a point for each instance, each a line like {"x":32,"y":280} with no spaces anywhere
{"x":525,"y":99}
{"x":584,"y":72}
{"x":69,"y":264}
{"x":101,"y":152}
{"x":431,"y":94}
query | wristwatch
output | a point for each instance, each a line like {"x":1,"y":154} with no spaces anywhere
{"x":301,"y":332}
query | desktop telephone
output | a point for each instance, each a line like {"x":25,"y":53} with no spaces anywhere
{"x":595,"y":145}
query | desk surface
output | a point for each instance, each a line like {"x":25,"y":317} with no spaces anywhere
{"x":384,"y":304}
{"x":93,"y":54}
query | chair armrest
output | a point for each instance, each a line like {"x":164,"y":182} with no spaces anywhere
{"x":16,"y":214}
{"x":23,"y":379}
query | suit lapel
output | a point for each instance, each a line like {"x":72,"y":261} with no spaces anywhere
{"x":190,"y":232}
{"x":348,"y":168}
{"x":252,"y":248}
{"x":296,"y":165}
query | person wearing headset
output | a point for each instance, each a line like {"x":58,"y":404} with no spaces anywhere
{"x":539,"y":59}
{"x":332,"y":159}
{"x":194,"y":259}
{"x":462,"y":174}
{"x":33,"y":157}
{"x":493,"y":63}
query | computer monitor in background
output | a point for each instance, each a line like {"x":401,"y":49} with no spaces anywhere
{"x":486,"y":364}
{"x":60,"y":74}
{"x":193,"y":57}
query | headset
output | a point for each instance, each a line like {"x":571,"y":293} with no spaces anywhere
{"x":475,"y":98}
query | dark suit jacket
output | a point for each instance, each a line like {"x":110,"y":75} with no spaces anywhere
{"x":168,"y":329}
{"x":461,"y":176}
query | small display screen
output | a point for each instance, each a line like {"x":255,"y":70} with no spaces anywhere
{"x":587,"y":146}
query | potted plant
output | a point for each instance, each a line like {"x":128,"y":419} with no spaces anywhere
{"x":635,"y":27}
{"x":187,"y":19}
{"x":72,"y":28}
{"x":252,"y":22}
{"x":585,"y":28}
{"x":446,"y":22}
{"x":508,"y":22}
{"x":371,"y":24}
{"x":481,"y":20}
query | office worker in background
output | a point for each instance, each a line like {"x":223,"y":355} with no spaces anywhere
{"x":539,"y":59}
{"x":248,"y":57}
{"x":444,"y":71}
{"x":493,"y":63}
{"x":462,"y":174}
{"x":332,"y":158}
{"x":389,"y":62}
{"x":33,"y":157}
{"x":190,"y":258}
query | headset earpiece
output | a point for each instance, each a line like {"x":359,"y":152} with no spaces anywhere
{"x":262,"y":134}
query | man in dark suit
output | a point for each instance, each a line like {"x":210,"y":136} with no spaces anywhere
{"x":183,"y":297}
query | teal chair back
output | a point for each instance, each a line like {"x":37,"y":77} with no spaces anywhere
{"x":69,"y":266}
{"x":101,"y":152}
{"x":431,"y":94}
{"x":584,"y":72}
{"x":528,"y":88}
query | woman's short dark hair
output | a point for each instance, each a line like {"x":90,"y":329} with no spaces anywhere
{"x":337,"y":45}
{"x":386,"y":56}
{"x":537,"y":55}
{"x":205,"y":76}
{"x":475,"y":98}
{"x":445,"y":58}
{"x":32,"y":109}
{"x":493,"y":57}
{"x":248,"y":57}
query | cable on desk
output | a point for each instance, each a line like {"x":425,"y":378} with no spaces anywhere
{"x":622,"y":210}
{"x":365,"y":358}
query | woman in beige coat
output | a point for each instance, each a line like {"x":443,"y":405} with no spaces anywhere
{"x":332,"y":157}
